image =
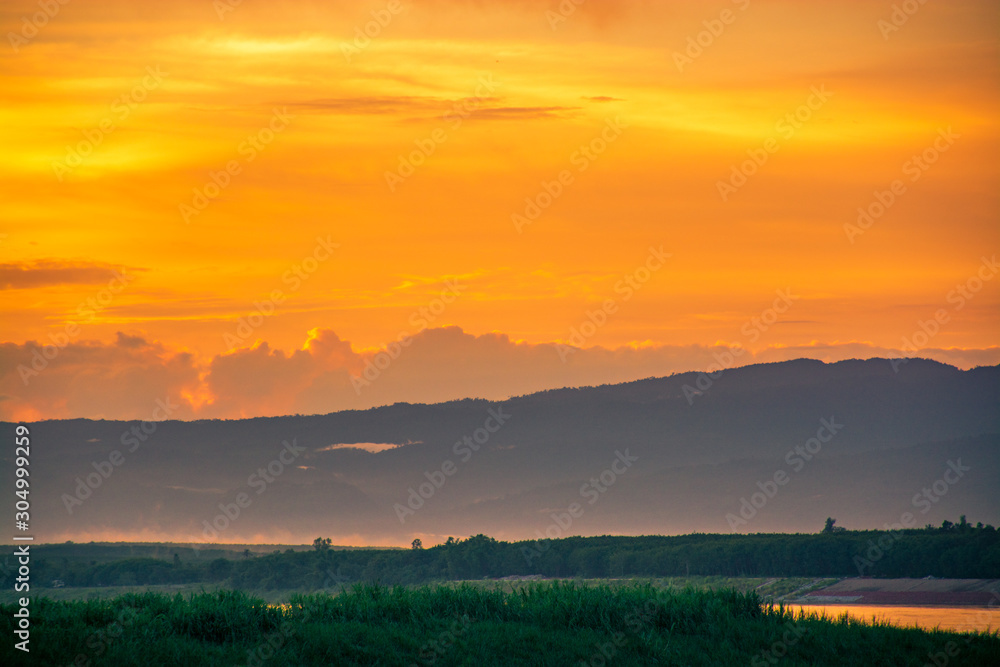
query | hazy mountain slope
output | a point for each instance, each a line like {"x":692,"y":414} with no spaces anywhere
{"x":695,"y":460}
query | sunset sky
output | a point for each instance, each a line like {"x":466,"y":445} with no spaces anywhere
{"x":170,"y":168}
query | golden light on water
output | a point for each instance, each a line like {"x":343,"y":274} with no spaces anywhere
{"x":960,"y":619}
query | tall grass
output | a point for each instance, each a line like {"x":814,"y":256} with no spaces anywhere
{"x":539,"y":624}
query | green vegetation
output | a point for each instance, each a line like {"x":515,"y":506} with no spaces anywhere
{"x":551,"y":624}
{"x":768,"y":588}
{"x":708,"y":600}
{"x":954,"y":550}
{"x":102,"y":552}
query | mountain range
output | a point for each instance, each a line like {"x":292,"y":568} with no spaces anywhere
{"x":764,"y":448}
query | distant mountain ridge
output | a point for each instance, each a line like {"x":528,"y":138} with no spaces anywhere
{"x":507,"y":468}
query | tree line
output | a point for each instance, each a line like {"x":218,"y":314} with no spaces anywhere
{"x":952,"y":550}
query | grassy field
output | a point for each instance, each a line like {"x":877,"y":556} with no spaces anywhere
{"x":549,"y":623}
{"x":769,"y":588}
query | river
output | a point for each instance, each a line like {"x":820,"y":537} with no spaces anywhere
{"x":962,"y":619}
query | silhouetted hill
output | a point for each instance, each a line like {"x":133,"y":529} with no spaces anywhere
{"x":697,"y":456}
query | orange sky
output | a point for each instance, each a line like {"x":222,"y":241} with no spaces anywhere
{"x":115,"y":113}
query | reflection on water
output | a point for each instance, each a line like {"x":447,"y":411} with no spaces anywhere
{"x":962,"y":619}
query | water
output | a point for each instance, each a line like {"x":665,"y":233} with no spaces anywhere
{"x":961,"y":619}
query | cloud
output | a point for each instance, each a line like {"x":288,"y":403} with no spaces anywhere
{"x":521,"y":113}
{"x":47,"y":272}
{"x":371,"y":105}
{"x":599,"y":13}
{"x":478,"y":107}
{"x":125,"y":379}
{"x":119,"y":380}
{"x":262,"y":381}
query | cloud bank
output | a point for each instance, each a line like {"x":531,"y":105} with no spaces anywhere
{"x":133,"y":378}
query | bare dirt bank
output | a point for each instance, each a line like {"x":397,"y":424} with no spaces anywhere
{"x":909,"y":592}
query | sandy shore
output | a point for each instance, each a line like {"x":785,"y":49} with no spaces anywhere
{"x":908,"y":592}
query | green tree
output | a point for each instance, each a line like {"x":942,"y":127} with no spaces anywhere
{"x":417,"y":544}
{"x":219,"y":569}
{"x":322,"y":544}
